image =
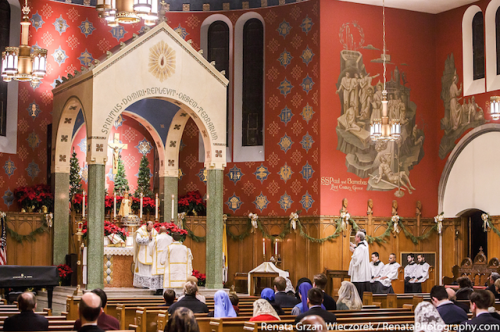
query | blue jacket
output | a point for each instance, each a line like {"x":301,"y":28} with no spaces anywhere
{"x":452,"y":314}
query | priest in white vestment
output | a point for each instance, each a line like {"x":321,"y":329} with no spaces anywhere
{"x":376,"y":266}
{"x":143,"y":260}
{"x":178,"y":261}
{"x":420,"y":274}
{"x":409,"y":269}
{"x":359,"y":268}
{"x":383,"y":280}
{"x":156,"y":248}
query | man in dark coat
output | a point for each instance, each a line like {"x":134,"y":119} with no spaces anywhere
{"x":493,"y":277}
{"x":484,"y":321}
{"x":320,"y":282}
{"x":189,"y":300}
{"x":27,"y":320}
{"x":90,"y":309}
{"x":314,"y":300}
{"x":449,"y":312}
{"x":280,"y":297}
{"x":105,"y":321}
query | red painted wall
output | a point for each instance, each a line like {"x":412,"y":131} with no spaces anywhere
{"x":410,"y":40}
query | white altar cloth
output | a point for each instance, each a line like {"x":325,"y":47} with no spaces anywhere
{"x":267,"y":267}
{"x":119,"y":251}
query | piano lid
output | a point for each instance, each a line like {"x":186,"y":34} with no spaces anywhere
{"x":21,"y":276}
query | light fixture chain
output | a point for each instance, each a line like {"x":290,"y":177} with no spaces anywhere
{"x":383,"y":33}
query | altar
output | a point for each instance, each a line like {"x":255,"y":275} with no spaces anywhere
{"x":118,"y":266}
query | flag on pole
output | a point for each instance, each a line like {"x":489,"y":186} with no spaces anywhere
{"x":3,"y":239}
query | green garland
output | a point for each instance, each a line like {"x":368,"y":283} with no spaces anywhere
{"x":31,"y":237}
{"x":497,"y":232}
{"x":191,"y":234}
{"x":414,"y":238}
{"x":242,"y":235}
{"x":321,"y":240}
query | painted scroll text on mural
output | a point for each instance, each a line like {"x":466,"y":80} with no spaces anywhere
{"x":386,"y":164}
{"x":157,"y":91}
{"x":336,"y":184}
{"x":459,"y":115}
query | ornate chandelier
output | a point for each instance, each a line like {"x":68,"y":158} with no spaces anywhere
{"x":382,"y":129}
{"x":117,"y":12}
{"x":24,"y":63}
{"x":495,"y":107}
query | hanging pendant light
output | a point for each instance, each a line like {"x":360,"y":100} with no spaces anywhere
{"x":495,"y":107}
{"x":23,"y":63}
{"x":117,"y":12}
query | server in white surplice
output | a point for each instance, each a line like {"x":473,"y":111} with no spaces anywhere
{"x":178,"y":261}
{"x":409,"y":269}
{"x":420,"y":274}
{"x":359,"y":268}
{"x":383,"y":281}
{"x":376,"y":265}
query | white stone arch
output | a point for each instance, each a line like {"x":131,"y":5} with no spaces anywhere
{"x":471,"y":86}
{"x":492,"y":79}
{"x":470,"y":179}
{"x":174,"y":135}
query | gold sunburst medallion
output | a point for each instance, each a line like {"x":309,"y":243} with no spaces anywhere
{"x":162,"y":61}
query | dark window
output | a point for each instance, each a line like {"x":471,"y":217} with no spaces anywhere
{"x":478,"y":45}
{"x":218,"y":51}
{"x":4,"y":42}
{"x":497,"y":36}
{"x":253,"y":73}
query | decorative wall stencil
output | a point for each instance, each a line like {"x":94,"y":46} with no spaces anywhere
{"x":307,"y":84}
{"x":8,"y":197}
{"x":307,"y":113}
{"x":9,"y":167}
{"x":202,"y":175}
{"x":118,"y":32}
{"x":110,"y":175}
{"x":33,"y":140}
{"x":458,"y":117}
{"x":307,"y":55}
{"x":285,"y":143}
{"x":307,"y":24}
{"x":307,"y":201}
{"x":286,"y":115}
{"x":119,"y":121}
{"x":284,"y":28}
{"x":83,"y":145}
{"x":285,"y":202}
{"x":285,"y":173}
{"x":54,"y":84}
{"x":162,"y":61}
{"x":235,"y":174}
{"x":261,"y":202}
{"x":181,"y":31}
{"x":37,"y":21}
{"x":307,"y":142}
{"x":180,"y":174}
{"x":33,"y":110}
{"x":59,"y":56}
{"x":285,"y":87}
{"x":307,"y":171}
{"x":33,"y":170}
{"x":144,"y":147}
{"x":84,"y":174}
{"x":86,"y":27}
{"x":234,"y":202}
{"x":285,"y":58}
{"x":60,"y":25}
{"x":261,"y":173}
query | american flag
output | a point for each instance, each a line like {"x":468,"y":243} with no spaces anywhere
{"x":3,"y":240}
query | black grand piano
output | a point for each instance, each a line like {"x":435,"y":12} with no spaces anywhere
{"x":16,"y":276}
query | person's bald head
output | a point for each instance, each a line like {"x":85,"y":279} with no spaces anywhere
{"x":451,"y":294}
{"x":163,"y":229}
{"x":314,"y":323}
{"x":90,"y":308}
{"x":26,"y":301}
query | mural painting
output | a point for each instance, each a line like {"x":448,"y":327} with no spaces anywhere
{"x":460,"y":114}
{"x":386,"y":164}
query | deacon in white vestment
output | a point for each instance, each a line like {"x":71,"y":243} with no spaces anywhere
{"x":420,"y":274}
{"x":178,"y":261}
{"x":409,"y":269}
{"x":143,"y":260}
{"x":359,"y":268}
{"x":383,"y":281}
{"x":376,"y":266}
{"x":156,"y":248}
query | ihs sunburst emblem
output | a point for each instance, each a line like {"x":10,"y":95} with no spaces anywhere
{"x":162,"y":61}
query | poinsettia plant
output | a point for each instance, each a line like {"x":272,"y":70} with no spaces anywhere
{"x":64,"y":271}
{"x":172,"y":228}
{"x":202,"y":277}
{"x":192,"y":203}
{"x":34,"y":197}
{"x":109,"y":229}
{"x":77,"y":202}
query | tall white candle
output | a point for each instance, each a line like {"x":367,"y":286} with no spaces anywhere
{"x":83,"y":205}
{"x":172,"y":207}
{"x":156,"y":207}
{"x":114,"y":205}
{"x":140,"y":209}
{"x":264,"y":247}
{"x":276,"y":248}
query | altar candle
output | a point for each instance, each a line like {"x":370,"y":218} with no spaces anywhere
{"x":83,"y":204}
{"x":264,"y":247}
{"x":276,"y":248}
{"x":156,"y":207}
{"x":140,"y":210}
{"x":172,"y":207}
{"x":114,"y":205}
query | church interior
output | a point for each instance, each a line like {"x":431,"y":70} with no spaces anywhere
{"x":267,"y":133}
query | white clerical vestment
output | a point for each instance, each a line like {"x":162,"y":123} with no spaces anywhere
{"x":144,"y":261}
{"x":421,"y":273}
{"x":359,"y":268}
{"x":156,"y":248}
{"x":409,"y":269}
{"x":376,"y":269}
{"x":178,"y":261}
{"x":390,"y":271}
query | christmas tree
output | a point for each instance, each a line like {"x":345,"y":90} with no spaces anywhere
{"x":75,"y":180}
{"x":143,"y":183}
{"x":121,"y":182}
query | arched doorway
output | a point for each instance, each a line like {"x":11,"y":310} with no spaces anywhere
{"x":476,"y":239}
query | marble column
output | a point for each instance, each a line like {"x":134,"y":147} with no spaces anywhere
{"x":61,"y":217}
{"x":215,"y":225}
{"x":95,"y":218}
{"x":168,"y":187}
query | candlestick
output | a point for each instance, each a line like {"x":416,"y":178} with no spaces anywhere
{"x":114,"y":205}
{"x":264,"y":247}
{"x":140,"y":210}
{"x":156,"y":207}
{"x":172,"y":207}
{"x":276,"y":248}
{"x":83,"y":205}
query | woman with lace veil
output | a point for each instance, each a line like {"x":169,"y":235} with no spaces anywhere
{"x":263,"y":311}
{"x":427,"y":318}
{"x":348,"y":297}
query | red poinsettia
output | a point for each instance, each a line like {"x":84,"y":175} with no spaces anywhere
{"x":35,"y":197}
{"x":202,"y":277}
{"x":192,"y":202}
{"x":64,"y":271}
{"x":109,"y":229}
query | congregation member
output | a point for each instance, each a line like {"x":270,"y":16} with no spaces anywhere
{"x":409,"y":269}
{"x":222,"y":306}
{"x":359,"y":267}
{"x":263,"y":311}
{"x":427,"y":319}
{"x":169,"y":297}
{"x":281,"y":297}
{"x":105,"y":322}
{"x":382,"y":283}
{"x":420,"y":275}
{"x":449,"y":312}
{"x":268,"y":294}
{"x":314,"y":301}
{"x":143,"y":258}
{"x":302,"y":306}
{"x":235,"y":300}
{"x":312,"y":323}
{"x":27,"y":319}
{"x":465,"y":288}
{"x":348,"y":297}
{"x":300,"y":282}
{"x":200,"y":297}
{"x":453,"y":298}
{"x":320,"y":282}
{"x":483,"y":320}
{"x":492,"y":279}
{"x":90,"y":310}
{"x":376,"y":266}
{"x":182,"y":320}
{"x":189,"y":300}
{"x":178,"y":261}
{"x":156,"y":248}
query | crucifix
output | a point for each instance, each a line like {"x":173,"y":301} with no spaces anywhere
{"x":116,"y":146}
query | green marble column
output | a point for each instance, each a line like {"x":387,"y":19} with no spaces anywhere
{"x":214,"y":228}
{"x":168,"y":187}
{"x":61,"y":217}
{"x":95,"y":217}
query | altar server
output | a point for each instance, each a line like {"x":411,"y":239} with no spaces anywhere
{"x":383,"y":281}
{"x":178,"y":261}
{"x":409,"y":272}
{"x":420,"y":274}
{"x":359,"y":268}
{"x":142,"y":259}
{"x":156,"y":248}
{"x":376,"y":266}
